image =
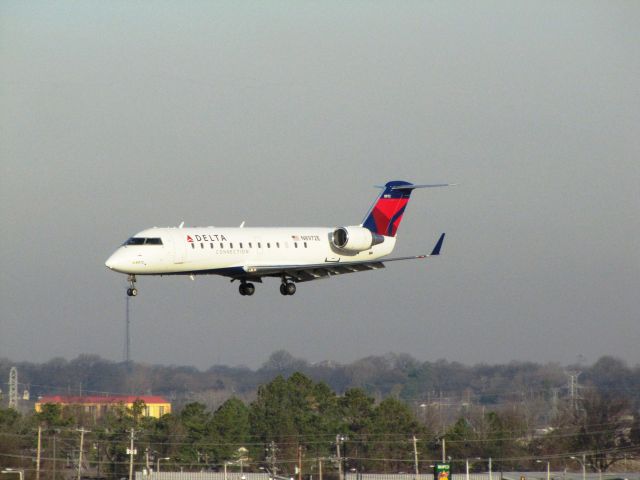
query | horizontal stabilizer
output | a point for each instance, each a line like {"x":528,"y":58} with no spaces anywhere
{"x":436,"y":249}
{"x":412,"y":187}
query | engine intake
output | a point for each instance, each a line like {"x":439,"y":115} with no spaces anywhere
{"x":355,"y":239}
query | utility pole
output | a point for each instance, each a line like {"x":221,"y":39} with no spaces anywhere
{"x":339,"y":457}
{"x":415,"y":455}
{"x":320,"y":468}
{"x":38,"y":452}
{"x":54,"y":455}
{"x":82,"y":432}
{"x":299,"y":462}
{"x":271,"y":458}
{"x":130,"y":456}
{"x":444,"y":451}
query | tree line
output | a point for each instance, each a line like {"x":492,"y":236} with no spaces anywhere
{"x":397,"y":375}
{"x":294,"y":419}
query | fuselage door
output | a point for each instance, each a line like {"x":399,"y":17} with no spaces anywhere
{"x":179,"y":247}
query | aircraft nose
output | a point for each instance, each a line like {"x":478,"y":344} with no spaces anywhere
{"x":115,"y":261}
{"x":110,"y":263}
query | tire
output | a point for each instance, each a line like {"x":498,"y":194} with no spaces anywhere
{"x":134,"y":292}
{"x":249,"y":289}
{"x":242,"y":289}
{"x":291,"y":288}
{"x":283,"y":289}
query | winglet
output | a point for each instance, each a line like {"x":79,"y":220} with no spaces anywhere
{"x":436,"y":249}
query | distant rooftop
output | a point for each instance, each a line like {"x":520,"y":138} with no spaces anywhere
{"x":112,"y":399}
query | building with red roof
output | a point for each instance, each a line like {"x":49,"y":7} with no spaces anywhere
{"x":154,"y":406}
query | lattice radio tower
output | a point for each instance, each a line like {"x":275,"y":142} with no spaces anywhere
{"x":13,"y":388}
{"x":574,"y":389}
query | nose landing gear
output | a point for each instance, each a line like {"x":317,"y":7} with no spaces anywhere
{"x":132,"y":291}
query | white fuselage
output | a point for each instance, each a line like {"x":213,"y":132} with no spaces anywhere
{"x":223,"y":250}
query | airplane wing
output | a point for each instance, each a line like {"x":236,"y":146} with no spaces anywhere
{"x":306,"y":273}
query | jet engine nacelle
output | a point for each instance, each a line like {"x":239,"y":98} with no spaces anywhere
{"x":355,"y":239}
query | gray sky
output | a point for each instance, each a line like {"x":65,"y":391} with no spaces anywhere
{"x":117,"y":116}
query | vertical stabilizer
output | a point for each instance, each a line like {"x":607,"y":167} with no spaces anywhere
{"x":386,"y":214}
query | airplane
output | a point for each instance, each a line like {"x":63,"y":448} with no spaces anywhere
{"x":292,"y":254}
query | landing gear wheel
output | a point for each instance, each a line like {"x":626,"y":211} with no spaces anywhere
{"x":246,"y":289}
{"x":288,"y":288}
{"x":132,"y":292}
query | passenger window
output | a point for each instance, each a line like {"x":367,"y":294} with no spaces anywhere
{"x":295,"y":244}
{"x":231,"y":245}
{"x":250,"y":245}
{"x":202,"y":245}
{"x":222,"y":245}
{"x":268,"y":245}
{"x":211,"y":245}
{"x":259,"y":245}
{"x":305,"y":244}
{"x":193,"y":245}
{"x":278,"y":244}
{"x":240,"y":244}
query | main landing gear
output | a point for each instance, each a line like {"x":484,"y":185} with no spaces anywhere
{"x":247,"y":289}
{"x":287,"y":288}
{"x":132,"y":291}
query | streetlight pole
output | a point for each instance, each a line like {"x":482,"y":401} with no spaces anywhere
{"x":467,"y":468}
{"x":415,"y":455}
{"x":131,"y":453}
{"x":339,"y":439}
{"x":82,"y":432}
{"x":583,"y":463}
{"x":548,"y":468}
{"x":490,"y":467}
{"x":158,"y":463}
{"x":19,"y":471}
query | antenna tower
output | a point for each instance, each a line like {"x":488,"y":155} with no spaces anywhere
{"x":573,"y":387}
{"x":13,"y":388}
{"x":554,"y":403}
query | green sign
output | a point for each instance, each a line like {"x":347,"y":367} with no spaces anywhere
{"x":442,"y":471}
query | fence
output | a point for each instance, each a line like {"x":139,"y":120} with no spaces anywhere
{"x":498,"y":476}
{"x":393,"y":476}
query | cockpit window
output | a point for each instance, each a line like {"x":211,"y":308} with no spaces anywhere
{"x":143,"y":241}
{"x":135,"y":241}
